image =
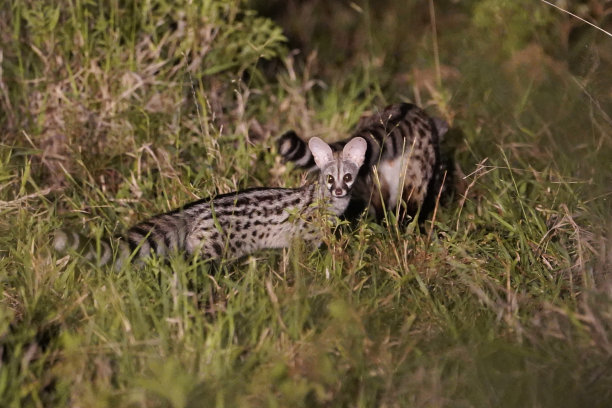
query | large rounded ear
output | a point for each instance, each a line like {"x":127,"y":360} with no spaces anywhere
{"x":355,"y":151}
{"x":321,"y":152}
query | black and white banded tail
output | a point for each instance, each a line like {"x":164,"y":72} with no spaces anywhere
{"x":100,"y":252}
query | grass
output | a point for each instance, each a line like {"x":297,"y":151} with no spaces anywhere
{"x":116,"y":111}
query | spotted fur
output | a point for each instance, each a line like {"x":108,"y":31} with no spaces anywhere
{"x":239,"y":223}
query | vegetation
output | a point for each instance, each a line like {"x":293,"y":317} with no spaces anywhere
{"x":114,"y":111}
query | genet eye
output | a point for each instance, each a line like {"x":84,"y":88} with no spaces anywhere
{"x":347,"y":178}
{"x":330,"y":179}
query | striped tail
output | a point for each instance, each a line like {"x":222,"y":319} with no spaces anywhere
{"x":293,"y":149}
{"x":66,"y":241}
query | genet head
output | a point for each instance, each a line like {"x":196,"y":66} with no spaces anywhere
{"x":338,"y":169}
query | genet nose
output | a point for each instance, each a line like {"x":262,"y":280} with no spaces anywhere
{"x":338,"y":192}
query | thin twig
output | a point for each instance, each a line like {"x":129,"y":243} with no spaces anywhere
{"x":603,"y":113}
{"x":203,"y":129}
{"x":477,"y":174}
{"x":578,"y":17}
{"x":433,"y":217}
{"x":432,"y":16}
{"x":19,"y":200}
